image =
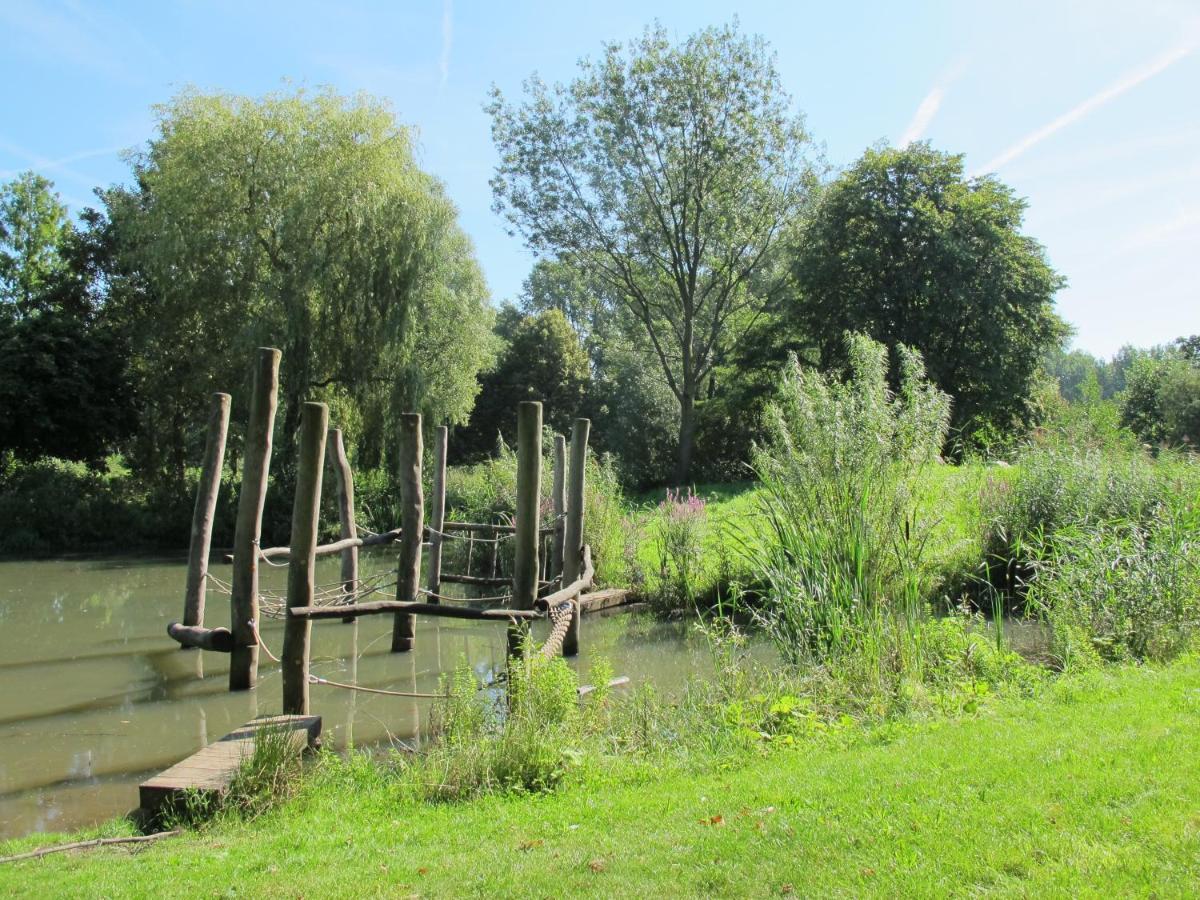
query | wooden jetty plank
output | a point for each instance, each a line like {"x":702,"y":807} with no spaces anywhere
{"x":603,"y":599}
{"x":211,"y":769}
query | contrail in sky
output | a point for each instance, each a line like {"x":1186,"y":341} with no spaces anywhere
{"x":1158,"y":64}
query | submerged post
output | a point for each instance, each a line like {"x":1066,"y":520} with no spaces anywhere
{"x":243,"y":601}
{"x":437,"y":512}
{"x":306,"y":513}
{"x":340,"y":463}
{"x":559,"y":498}
{"x":205,"y":510}
{"x":573,"y":540}
{"x":527,"y":524}
{"x":408,"y":574}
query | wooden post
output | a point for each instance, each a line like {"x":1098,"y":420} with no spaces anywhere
{"x":437,"y":512}
{"x":528,"y":524}
{"x":243,"y":602}
{"x":306,"y":513}
{"x":205,"y":510}
{"x":408,"y":575}
{"x":340,"y":463}
{"x":573,"y":539}
{"x":560,"y":507}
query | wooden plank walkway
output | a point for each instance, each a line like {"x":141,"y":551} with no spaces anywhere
{"x":210,"y":770}
{"x":604,"y":599}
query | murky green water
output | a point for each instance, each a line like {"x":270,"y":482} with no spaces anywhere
{"x":94,"y":696}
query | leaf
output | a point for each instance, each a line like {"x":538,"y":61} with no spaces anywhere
{"x":526,"y":846}
{"x":596,"y":865}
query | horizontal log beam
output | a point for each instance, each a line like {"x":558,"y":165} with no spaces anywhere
{"x":381,"y":607}
{"x":572,"y":590}
{"x":219,"y":640}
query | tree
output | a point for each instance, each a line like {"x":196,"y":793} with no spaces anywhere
{"x":298,"y":220}
{"x":667,"y":172}
{"x":63,"y":388}
{"x":544,"y":361}
{"x":905,"y":249}
{"x":1161,"y":402}
{"x":33,"y":226}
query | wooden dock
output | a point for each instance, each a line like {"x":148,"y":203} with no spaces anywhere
{"x":210,"y":770}
{"x":603,"y":599}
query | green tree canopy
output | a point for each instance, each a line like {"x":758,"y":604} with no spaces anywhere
{"x":63,"y":390}
{"x":302,"y":221}
{"x":905,"y":249}
{"x":544,"y":360}
{"x":33,"y":227}
{"x":667,"y":171}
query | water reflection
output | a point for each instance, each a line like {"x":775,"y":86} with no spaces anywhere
{"x":94,"y":696}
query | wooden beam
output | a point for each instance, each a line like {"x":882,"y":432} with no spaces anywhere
{"x":347,"y":528}
{"x":219,"y":640}
{"x":205,"y":510}
{"x":527,"y":523}
{"x":437,"y":512}
{"x":559,"y":497}
{"x":573,"y":549}
{"x":243,"y":602}
{"x":379,"y":607}
{"x":306,"y":514}
{"x":408,"y":572}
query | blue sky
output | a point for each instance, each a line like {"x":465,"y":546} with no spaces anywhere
{"x":1089,"y":109}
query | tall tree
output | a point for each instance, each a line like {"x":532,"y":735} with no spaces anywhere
{"x":668,"y":171}
{"x":543,"y":360}
{"x":33,"y":227}
{"x":301,"y":220}
{"x":63,"y":388}
{"x":905,"y":248}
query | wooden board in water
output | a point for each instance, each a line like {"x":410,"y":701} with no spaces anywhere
{"x":211,"y":769}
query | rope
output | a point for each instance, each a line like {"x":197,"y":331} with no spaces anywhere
{"x":561,"y":617}
{"x":259,"y":640}
{"x":316,"y":679}
{"x":436,"y":596}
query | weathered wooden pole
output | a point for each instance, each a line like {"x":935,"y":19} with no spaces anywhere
{"x":408,"y":574}
{"x":243,"y":601}
{"x":573,"y":539}
{"x":437,"y":512}
{"x":205,"y":510}
{"x":306,"y":514}
{"x":340,"y":463}
{"x":528,"y":524}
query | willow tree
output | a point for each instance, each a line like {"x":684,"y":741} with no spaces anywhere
{"x":669,"y":171}
{"x":303,"y":221}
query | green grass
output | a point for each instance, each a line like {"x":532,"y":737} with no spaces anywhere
{"x":1088,"y":788}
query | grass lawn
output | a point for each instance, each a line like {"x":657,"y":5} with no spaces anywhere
{"x":1090,"y":788}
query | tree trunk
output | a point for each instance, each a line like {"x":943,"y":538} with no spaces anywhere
{"x":687,"y":435}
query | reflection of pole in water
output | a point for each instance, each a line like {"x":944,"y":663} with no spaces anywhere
{"x":203,"y":723}
{"x":415,"y":709}
{"x":198,"y":668}
{"x":352,"y":703}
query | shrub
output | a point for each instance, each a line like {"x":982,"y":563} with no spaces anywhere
{"x":680,"y":531}
{"x":1053,"y":488}
{"x":838,"y":471}
{"x":1122,"y":590}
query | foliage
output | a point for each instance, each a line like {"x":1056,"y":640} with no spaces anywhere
{"x":667,"y":172}
{"x":33,"y":227}
{"x":63,"y":383}
{"x":1054,"y":488}
{"x":679,"y":540}
{"x":301,"y":221}
{"x":838,"y":470}
{"x":1122,"y":590}
{"x":544,"y":361}
{"x":1161,"y":402}
{"x":906,"y":249}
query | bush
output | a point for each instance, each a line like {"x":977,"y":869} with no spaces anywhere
{"x":838,"y":471}
{"x":1122,"y":591}
{"x":1054,"y":488}
{"x":680,"y":531}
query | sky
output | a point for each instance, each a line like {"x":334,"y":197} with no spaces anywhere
{"x":1090,"y":110}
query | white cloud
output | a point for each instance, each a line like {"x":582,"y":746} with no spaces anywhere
{"x":1121,"y":86}
{"x":55,"y":167}
{"x":1186,"y":225}
{"x":447,"y":39}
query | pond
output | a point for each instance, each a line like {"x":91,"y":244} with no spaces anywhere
{"x":94,"y":697}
